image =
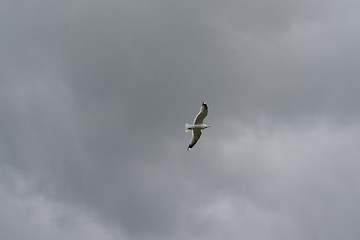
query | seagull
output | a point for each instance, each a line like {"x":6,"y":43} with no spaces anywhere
{"x":197,"y":126}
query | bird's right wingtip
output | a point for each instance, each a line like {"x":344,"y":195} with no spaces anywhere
{"x":204,"y":104}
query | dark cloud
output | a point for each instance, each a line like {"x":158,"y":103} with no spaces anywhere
{"x":95,"y":97}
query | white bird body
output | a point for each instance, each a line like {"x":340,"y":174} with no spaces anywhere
{"x":190,"y":127}
{"x":197,"y":126}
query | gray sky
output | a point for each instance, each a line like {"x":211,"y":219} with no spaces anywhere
{"x":94,"y":97}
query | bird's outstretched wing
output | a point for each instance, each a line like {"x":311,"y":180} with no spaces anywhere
{"x":202,"y":114}
{"x":195,"y":137}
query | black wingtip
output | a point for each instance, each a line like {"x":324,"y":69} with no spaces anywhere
{"x":190,"y":146}
{"x":204,"y":104}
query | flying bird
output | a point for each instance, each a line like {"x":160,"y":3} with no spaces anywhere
{"x":197,"y":126}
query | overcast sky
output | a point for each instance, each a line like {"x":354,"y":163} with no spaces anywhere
{"x":94,"y":96}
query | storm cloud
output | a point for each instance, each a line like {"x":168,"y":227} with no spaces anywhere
{"x":94,"y":97}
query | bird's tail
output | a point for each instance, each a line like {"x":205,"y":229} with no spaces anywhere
{"x":187,"y":127}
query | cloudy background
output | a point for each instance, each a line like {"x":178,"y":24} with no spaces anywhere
{"x":94,"y":96}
